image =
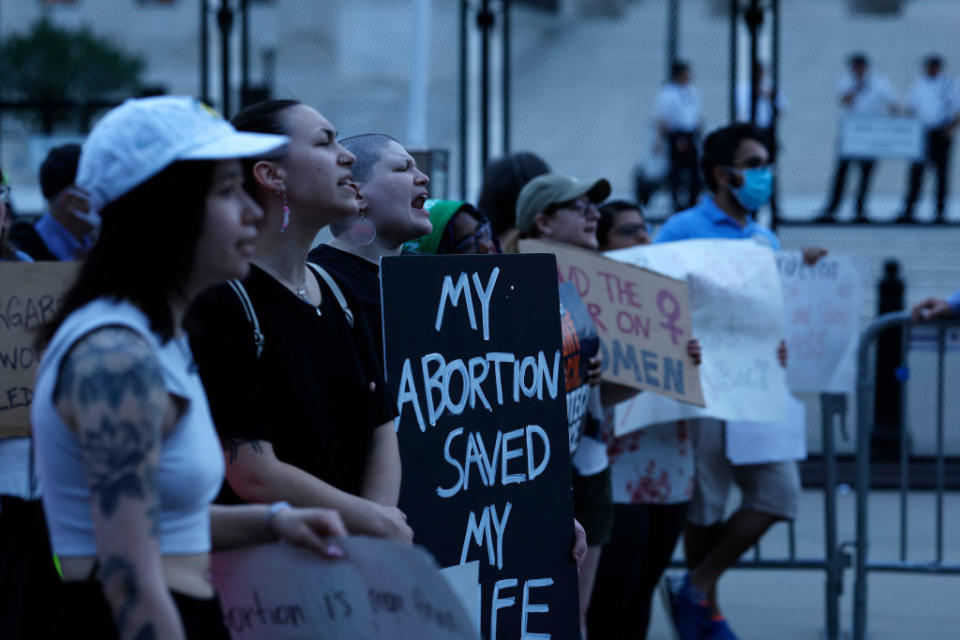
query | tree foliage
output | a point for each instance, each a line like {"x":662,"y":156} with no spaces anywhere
{"x":50,"y":64}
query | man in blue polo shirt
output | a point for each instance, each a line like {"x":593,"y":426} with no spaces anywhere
{"x":68,"y":228}
{"x":736,"y":168}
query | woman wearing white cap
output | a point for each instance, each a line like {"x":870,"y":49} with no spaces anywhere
{"x":125,"y":445}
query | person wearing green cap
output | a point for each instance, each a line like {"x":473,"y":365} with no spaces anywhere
{"x":458,"y":227}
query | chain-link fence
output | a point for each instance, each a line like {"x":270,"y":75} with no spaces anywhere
{"x":575,"y":81}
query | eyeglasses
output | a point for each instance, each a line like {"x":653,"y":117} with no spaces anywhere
{"x":471,"y":243}
{"x":583,"y":207}
{"x":631,"y":230}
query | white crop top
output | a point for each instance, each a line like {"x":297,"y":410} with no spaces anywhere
{"x":190,"y":468}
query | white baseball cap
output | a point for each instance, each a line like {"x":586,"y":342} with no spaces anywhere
{"x":142,"y":137}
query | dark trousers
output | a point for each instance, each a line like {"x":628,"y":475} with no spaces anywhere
{"x":684,"y":170}
{"x":644,"y":537}
{"x":29,"y":582}
{"x":85,"y":611}
{"x":840,"y":183}
{"x":938,"y":155}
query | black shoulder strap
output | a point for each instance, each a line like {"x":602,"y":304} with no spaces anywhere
{"x":249,"y":311}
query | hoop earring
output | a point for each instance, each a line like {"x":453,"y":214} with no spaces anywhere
{"x":286,"y":209}
{"x":363,"y":231}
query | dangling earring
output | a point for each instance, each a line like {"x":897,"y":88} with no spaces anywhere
{"x":286,"y":210}
{"x":363,"y":231}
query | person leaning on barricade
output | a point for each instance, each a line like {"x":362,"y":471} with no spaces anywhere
{"x":736,"y":168}
{"x":125,"y":446}
{"x":652,"y":483}
{"x":286,"y":356}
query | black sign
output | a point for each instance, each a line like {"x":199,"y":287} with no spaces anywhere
{"x":580,"y":343}
{"x":473,"y":356}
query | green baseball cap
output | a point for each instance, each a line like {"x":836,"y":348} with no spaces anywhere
{"x":552,"y":188}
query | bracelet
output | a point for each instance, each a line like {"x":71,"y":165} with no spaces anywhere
{"x":274,"y":509}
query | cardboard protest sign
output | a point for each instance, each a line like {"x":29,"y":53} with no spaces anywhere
{"x":580,"y":343}
{"x":381,"y":589}
{"x":474,"y":358}
{"x":643,"y":319}
{"x":761,"y":442}
{"x":30,"y":294}
{"x":737,"y":312}
{"x":821,"y":309}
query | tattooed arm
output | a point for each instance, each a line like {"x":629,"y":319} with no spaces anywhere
{"x":257,"y":475}
{"x":110,"y":391}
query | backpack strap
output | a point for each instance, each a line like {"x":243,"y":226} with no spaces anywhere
{"x":248,"y":310}
{"x":337,"y":293}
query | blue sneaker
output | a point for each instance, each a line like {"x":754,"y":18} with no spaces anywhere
{"x":717,"y":629}
{"x":691,"y":614}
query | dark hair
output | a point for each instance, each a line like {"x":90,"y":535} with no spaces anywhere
{"x":367,"y":147}
{"x":678,"y":67}
{"x":146,"y":247}
{"x":858,"y":58}
{"x":933,"y":59}
{"x":721,"y":146}
{"x":608,"y":213}
{"x":502,"y":181}
{"x":59,"y":169}
{"x":261,"y":117}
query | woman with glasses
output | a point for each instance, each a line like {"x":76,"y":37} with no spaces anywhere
{"x":457,"y":228}
{"x":622,"y":225}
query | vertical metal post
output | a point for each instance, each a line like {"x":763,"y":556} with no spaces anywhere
{"x":506,"y":75}
{"x":484,"y":21}
{"x":244,"y":51}
{"x":904,"y":452}
{"x":225,"y":21}
{"x":775,"y":110}
{"x":864,"y":428}
{"x":754,"y":19}
{"x":941,"y":348}
{"x":734,"y":18}
{"x":673,"y":26}
{"x":831,"y":406}
{"x":463,"y":98}
{"x":204,"y":52}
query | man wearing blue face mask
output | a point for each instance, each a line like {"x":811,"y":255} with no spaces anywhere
{"x":736,"y":168}
{"x":68,"y":229}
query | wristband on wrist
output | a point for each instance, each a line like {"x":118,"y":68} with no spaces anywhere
{"x":274,"y":509}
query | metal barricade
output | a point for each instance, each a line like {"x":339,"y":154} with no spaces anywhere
{"x":865,"y":386}
{"x":836,"y":558}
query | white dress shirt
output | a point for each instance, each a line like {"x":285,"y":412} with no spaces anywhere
{"x":678,"y":106}
{"x":935,"y":101}
{"x":874,"y":96}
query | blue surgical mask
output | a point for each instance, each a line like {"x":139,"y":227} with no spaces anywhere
{"x":756,"y":189}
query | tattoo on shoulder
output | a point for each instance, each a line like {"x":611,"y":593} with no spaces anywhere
{"x":232,"y":446}
{"x":114,"y":385}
